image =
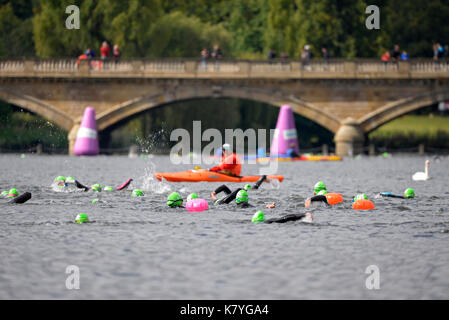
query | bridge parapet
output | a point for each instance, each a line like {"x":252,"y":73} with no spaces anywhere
{"x":193,"y":68}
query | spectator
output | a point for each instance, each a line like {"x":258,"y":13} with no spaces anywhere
{"x":386,"y":56}
{"x":90,"y":54}
{"x":81,"y":57}
{"x":326,"y":54}
{"x":309,"y":54}
{"x":446,"y":51}
{"x":396,"y":54}
{"x":440,"y":51}
{"x":104,"y":50}
{"x":204,"y":57}
{"x":116,"y":53}
{"x":283,"y":55}
{"x":217,"y":55}
{"x":271,"y":54}
{"x":435,"y":51}
{"x":404,"y":56}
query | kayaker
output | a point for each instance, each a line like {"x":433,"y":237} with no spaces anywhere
{"x":259,"y":217}
{"x":291,"y":152}
{"x":409,"y":193}
{"x":230,"y":163}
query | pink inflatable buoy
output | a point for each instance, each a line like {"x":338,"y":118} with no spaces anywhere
{"x":197,"y":205}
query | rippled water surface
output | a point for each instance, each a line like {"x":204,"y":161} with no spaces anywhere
{"x":136,"y":248}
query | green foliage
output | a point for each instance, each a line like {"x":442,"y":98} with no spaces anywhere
{"x":22,"y":130}
{"x":16,"y":37}
{"x":176,"y":35}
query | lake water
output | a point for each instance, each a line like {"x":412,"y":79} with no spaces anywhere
{"x":137,"y":248}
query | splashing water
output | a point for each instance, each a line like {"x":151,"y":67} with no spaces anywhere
{"x":147,"y":181}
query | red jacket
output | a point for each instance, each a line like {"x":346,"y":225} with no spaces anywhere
{"x":104,"y":51}
{"x":230,"y":164}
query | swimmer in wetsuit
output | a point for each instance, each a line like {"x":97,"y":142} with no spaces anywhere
{"x":14,"y":197}
{"x":232,"y":195}
{"x":409,"y":193}
{"x":320,"y":197}
{"x":259,"y":217}
{"x":174,"y":200}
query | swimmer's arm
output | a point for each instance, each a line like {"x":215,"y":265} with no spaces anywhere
{"x":223,"y":188}
{"x":387,"y":194}
{"x":81,"y":186}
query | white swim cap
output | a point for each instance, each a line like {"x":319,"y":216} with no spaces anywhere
{"x":226,"y":146}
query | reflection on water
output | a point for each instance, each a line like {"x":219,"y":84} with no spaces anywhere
{"x":138,"y":248}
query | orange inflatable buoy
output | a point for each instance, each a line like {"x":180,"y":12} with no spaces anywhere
{"x":334,"y":198}
{"x":363,"y":204}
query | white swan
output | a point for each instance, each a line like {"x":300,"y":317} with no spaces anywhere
{"x":421,"y":176}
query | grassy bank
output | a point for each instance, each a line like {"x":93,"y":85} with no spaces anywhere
{"x":22,"y":131}
{"x":411,"y":130}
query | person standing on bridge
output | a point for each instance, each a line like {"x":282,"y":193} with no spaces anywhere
{"x":230,"y":163}
{"x":104,"y":50}
{"x":217,"y":55}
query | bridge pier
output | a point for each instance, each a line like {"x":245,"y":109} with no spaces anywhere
{"x":72,"y":138}
{"x":349,"y":138}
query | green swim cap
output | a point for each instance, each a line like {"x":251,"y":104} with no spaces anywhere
{"x":13,"y":193}
{"x":247,"y":187}
{"x":81,"y":218}
{"x":5,"y":193}
{"x":259,"y":216}
{"x":409,"y":193}
{"x":94,"y":201}
{"x":174,"y":200}
{"x":242,"y":196}
{"x":322,"y":193}
{"x":59,"y":178}
{"x":96,"y":187}
{"x":70,"y":180}
{"x":137,"y":193}
{"x":319,"y":186}
{"x":192,"y":196}
{"x":360,"y":196}
{"x":108,"y":188}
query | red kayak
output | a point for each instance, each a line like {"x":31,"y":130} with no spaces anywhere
{"x":205,"y":175}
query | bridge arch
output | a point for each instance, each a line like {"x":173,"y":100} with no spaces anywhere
{"x":398,"y":108}
{"x":145,"y":102}
{"x":39,"y":107}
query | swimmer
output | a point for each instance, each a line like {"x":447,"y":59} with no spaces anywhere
{"x":231,"y":195}
{"x":319,"y":186}
{"x":320,"y":197}
{"x":259,"y":217}
{"x":14,"y":197}
{"x":174,"y":200}
{"x":63,"y":182}
{"x":409,"y":193}
{"x":21,"y":199}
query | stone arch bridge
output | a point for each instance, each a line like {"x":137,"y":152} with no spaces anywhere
{"x":348,"y":97}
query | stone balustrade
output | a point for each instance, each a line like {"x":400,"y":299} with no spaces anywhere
{"x":193,"y":68}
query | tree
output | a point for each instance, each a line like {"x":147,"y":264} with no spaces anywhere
{"x":16,"y":38}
